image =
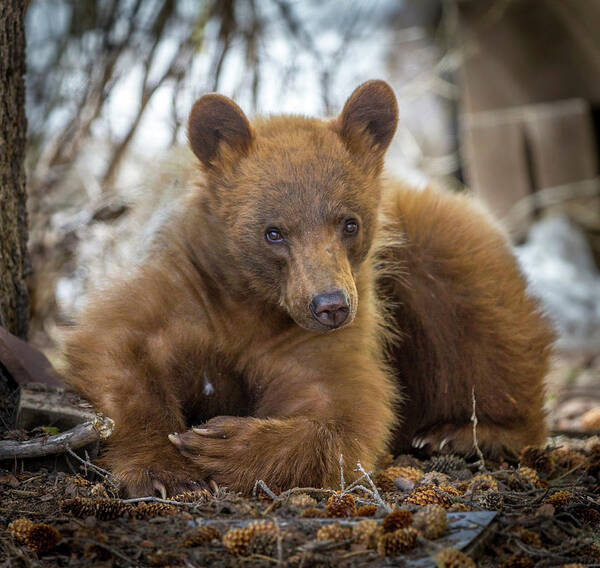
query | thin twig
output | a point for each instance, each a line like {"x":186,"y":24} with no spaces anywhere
{"x":354,"y":485}
{"x":376,"y":495}
{"x":260,"y":483}
{"x":342,"y":482}
{"x":110,"y":477}
{"x":475,"y":422}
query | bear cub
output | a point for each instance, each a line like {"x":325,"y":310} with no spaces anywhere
{"x":297,"y":308}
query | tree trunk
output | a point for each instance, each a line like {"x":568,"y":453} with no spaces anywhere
{"x":14,"y":302}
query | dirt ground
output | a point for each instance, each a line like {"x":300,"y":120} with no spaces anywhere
{"x":547,"y":514}
{"x":542,"y":511}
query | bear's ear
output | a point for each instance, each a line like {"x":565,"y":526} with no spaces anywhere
{"x":368,"y":122}
{"x":218,"y":127}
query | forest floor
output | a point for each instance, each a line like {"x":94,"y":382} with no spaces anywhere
{"x":543,"y":511}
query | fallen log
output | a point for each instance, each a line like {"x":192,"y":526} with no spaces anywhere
{"x":41,"y":405}
{"x":99,"y":428}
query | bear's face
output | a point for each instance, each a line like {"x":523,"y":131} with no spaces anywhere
{"x":298,"y":198}
{"x":302,"y":217}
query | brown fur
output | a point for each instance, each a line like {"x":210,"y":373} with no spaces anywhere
{"x":468,"y":326}
{"x":216,"y":304}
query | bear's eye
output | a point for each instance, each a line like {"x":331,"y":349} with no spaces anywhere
{"x":274,"y":235}
{"x":351,"y":227}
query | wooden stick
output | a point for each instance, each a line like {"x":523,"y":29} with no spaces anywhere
{"x":475,"y":442}
{"x":100,"y":428}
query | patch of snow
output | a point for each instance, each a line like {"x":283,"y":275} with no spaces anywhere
{"x":561,"y":271}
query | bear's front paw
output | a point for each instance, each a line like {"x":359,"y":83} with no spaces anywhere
{"x":219,"y":447}
{"x":161,"y":483}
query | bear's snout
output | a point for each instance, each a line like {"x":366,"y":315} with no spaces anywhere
{"x":331,"y":308}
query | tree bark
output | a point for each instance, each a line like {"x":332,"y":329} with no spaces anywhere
{"x":14,"y":265}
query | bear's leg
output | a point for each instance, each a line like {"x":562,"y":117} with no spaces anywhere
{"x":135,"y":379}
{"x":328,"y":399}
{"x":139,"y":452}
{"x":468,"y":328}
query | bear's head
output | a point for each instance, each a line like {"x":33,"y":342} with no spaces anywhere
{"x":295,"y":199}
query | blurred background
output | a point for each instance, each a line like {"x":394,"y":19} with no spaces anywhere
{"x":497,"y":97}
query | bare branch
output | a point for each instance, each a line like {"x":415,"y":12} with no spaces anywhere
{"x":100,"y":428}
{"x":474,"y":421}
{"x":260,"y":483}
{"x":111,"y":478}
{"x":376,"y":495}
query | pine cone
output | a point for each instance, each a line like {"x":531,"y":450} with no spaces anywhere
{"x":80,"y":507}
{"x":198,"y":496}
{"x":202,"y":535}
{"x":397,"y":542}
{"x":451,"y":490}
{"x":483,"y":483}
{"x":518,"y":561}
{"x":263,"y":527}
{"x":434,"y":478}
{"x":365,"y":532}
{"x":559,"y":499}
{"x":264,"y":543}
{"x":592,"y":551}
{"x":334,"y":531}
{"x":341,"y":506}
{"x":312,"y":513}
{"x":537,"y":459}
{"x":593,"y":465}
{"x":151,"y":510}
{"x":42,"y":538}
{"x":587,"y":516}
{"x":237,"y":540}
{"x":491,"y":500}
{"x":446,"y":464}
{"x":109,"y":509}
{"x":530,"y":475}
{"x":427,"y":495}
{"x":20,"y":529}
{"x":366,"y":511}
{"x":430,"y":521}
{"x":399,"y":519}
{"x":529,"y":537}
{"x":301,"y":501}
{"x":99,"y":491}
{"x":79,"y":481}
{"x":568,"y":459}
{"x":385,"y":479}
{"x":452,"y":558}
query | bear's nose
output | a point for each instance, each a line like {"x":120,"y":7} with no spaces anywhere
{"x":331,"y":309}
